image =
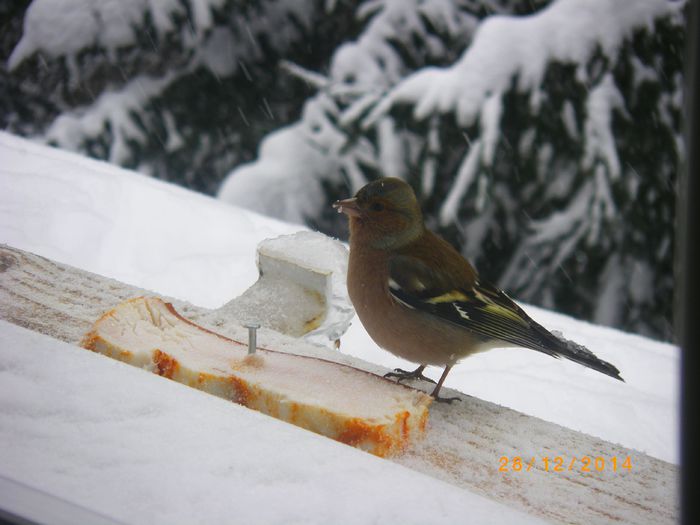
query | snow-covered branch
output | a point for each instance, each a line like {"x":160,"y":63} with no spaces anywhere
{"x":507,"y":48}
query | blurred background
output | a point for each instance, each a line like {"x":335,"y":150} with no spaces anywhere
{"x":543,"y":138}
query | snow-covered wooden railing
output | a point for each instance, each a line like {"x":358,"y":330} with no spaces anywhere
{"x":472,"y":444}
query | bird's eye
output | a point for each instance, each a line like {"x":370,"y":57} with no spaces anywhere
{"x":376,"y":206}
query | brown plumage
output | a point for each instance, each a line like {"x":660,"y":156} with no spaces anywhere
{"x":418,"y":298}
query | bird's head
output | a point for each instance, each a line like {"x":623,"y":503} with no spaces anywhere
{"x":384,"y":213}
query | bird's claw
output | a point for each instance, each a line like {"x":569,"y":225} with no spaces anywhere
{"x":400,"y":375}
{"x":447,"y":400}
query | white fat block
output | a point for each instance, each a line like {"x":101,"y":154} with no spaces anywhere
{"x":301,"y":288}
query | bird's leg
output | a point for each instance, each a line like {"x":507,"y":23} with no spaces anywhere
{"x":400,"y":375}
{"x":439,"y":385}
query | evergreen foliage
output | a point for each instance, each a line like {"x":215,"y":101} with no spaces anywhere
{"x":186,"y":96}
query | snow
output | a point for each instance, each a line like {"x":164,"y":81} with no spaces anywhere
{"x":218,"y":52}
{"x":466,"y":175}
{"x":315,"y":148}
{"x":286,"y":181}
{"x":600,"y":143}
{"x":136,"y":229}
{"x":86,"y":35}
{"x":614,"y":278}
{"x":160,"y":237}
{"x":429,"y":171}
{"x":505,"y":47}
{"x":568,"y":117}
{"x":143,"y":449}
{"x":65,"y":27}
{"x":490,"y":118}
{"x":390,"y":149}
{"x":112,"y":110}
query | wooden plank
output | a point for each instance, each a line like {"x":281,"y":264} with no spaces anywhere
{"x":464,"y":441}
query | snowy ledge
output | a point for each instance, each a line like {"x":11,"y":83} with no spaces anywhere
{"x":464,"y":443}
{"x":126,"y":226}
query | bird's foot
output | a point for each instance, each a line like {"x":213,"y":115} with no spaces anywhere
{"x":401,"y":375}
{"x":447,"y":400}
{"x":436,"y":391}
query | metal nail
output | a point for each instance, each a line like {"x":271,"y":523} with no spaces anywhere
{"x":252,"y":337}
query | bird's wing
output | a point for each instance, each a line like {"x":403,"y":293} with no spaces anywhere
{"x":476,"y":306}
{"x":480,"y":308}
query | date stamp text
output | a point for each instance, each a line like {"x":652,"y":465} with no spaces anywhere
{"x":565,"y":463}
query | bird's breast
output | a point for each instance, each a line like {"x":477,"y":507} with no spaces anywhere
{"x":411,"y":334}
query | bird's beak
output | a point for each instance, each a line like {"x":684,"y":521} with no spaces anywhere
{"x":348,"y":207}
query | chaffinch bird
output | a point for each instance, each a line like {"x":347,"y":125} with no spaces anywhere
{"x":418,"y":298}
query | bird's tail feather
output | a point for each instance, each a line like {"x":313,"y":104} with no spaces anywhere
{"x":557,"y":346}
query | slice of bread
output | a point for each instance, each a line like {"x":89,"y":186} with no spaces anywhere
{"x":338,"y":401}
